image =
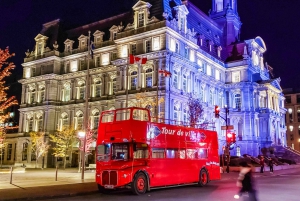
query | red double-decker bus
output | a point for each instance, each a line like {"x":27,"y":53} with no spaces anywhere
{"x":133,"y":152}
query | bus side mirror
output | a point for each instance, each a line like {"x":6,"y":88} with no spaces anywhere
{"x":134,"y":146}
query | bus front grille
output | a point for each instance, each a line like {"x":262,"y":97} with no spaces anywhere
{"x":109,"y":178}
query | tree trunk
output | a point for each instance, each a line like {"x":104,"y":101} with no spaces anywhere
{"x":70,"y":158}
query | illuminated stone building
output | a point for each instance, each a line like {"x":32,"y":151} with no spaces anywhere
{"x":203,"y":53}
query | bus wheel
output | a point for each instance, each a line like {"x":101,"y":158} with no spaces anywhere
{"x":102,"y":189}
{"x":139,"y":184}
{"x":203,"y":178}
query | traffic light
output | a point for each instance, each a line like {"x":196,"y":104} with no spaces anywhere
{"x":230,"y":138}
{"x":217,"y":111}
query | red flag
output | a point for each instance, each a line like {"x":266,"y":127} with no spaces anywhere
{"x":136,"y":60}
{"x":165,"y":73}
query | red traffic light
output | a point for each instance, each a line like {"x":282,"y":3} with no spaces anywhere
{"x":230,"y":138}
{"x":217,"y":111}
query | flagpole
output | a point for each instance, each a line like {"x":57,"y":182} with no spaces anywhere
{"x":157,"y":68}
{"x":86,"y":119}
{"x":127,"y":71}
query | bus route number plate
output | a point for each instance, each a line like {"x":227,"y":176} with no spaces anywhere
{"x":109,"y":186}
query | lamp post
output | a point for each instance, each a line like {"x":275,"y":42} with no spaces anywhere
{"x":227,"y":143}
{"x":86,"y":115}
{"x":82,"y":136}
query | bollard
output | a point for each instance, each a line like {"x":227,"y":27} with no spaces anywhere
{"x":11,"y":171}
{"x":56,"y":173}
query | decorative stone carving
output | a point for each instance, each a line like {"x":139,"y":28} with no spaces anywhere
{"x":27,"y":53}
{"x":55,"y":45}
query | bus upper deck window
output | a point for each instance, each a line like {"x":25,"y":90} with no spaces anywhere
{"x":141,"y":115}
{"x":123,"y":115}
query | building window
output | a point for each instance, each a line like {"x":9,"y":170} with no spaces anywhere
{"x":98,"y":61}
{"x":175,"y":80}
{"x":148,"y":46}
{"x":30,"y":124}
{"x":192,"y":55}
{"x":290,"y":111}
{"x":156,"y":44}
{"x":184,"y":83}
{"x":133,"y":49}
{"x":82,"y":64}
{"x":105,"y":59}
{"x":174,"y":45}
{"x":200,"y":64}
{"x":41,"y":94}
{"x":176,"y":116}
{"x":95,"y":118}
{"x":79,"y":121}
{"x":64,"y":121}
{"x":24,"y":151}
{"x":114,"y":35}
{"x":114,"y":83}
{"x":124,"y":51}
{"x":237,"y":101}
{"x":133,"y":80}
{"x":288,"y":99}
{"x":211,"y":97}
{"x":236,"y":77}
{"x":185,"y":116}
{"x":97,"y":88}
{"x":217,"y":74}
{"x":39,"y":123}
{"x":33,"y":72}
{"x":9,"y":152}
{"x":141,"y":19}
{"x":81,"y":90}
{"x":186,"y":52}
{"x":66,"y":92}
{"x":208,"y":70}
{"x":149,"y":77}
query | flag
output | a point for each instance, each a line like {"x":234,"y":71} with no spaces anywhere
{"x":165,"y":73}
{"x":137,"y":60}
{"x":92,"y":47}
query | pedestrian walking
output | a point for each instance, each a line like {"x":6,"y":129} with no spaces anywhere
{"x":271,"y":163}
{"x":246,"y":183}
{"x":262,"y":164}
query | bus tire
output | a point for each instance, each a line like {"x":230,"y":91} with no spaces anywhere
{"x":102,"y":189}
{"x":203,"y":178}
{"x":139,"y":184}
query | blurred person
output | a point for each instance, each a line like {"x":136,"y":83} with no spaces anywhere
{"x":246,"y":183}
{"x":262,"y":164}
{"x":271,"y":164}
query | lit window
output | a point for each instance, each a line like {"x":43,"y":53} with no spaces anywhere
{"x":236,"y":77}
{"x":175,"y":80}
{"x":156,"y":45}
{"x":24,"y":151}
{"x":74,"y":66}
{"x":64,"y":121}
{"x":79,"y":121}
{"x":81,"y":90}
{"x":105,"y":59}
{"x":41,"y":94}
{"x":291,"y":128}
{"x":97,"y":88}
{"x":124,"y":51}
{"x":148,"y":46}
{"x":237,"y":100}
{"x":134,"y":80}
{"x":149,"y":77}
{"x":39,"y":122}
{"x":208,"y":70}
{"x":211,"y":97}
{"x":66,"y":92}
{"x":192,"y":55}
{"x":217,"y":73}
{"x":95,"y":118}
{"x":29,"y":124}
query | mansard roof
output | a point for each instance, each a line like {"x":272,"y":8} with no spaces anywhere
{"x":235,"y":51}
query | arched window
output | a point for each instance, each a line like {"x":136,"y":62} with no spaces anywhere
{"x":41,"y":93}
{"x":79,"y":120}
{"x":24,"y":151}
{"x":81,"y":90}
{"x":31,"y":94}
{"x":29,"y":123}
{"x":97,"y":88}
{"x":64,"y":121}
{"x":211,"y":97}
{"x":149,"y":77}
{"x":176,"y":115}
{"x":95,"y":118}
{"x":66,"y":92}
{"x":133,"y":80}
{"x":175,"y":79}
{"x":202,"y":95}
{"x":237,"y":101}
{"x":39,"y":122}
{"x":185,"y":116}
{"x":184,"y":83}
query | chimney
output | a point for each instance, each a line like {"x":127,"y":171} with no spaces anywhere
{"x":184,"y":2}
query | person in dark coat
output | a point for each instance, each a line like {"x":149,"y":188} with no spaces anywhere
{"x":246,"y":182}
{"x":271,"y":163}
{"x":262,"y":164}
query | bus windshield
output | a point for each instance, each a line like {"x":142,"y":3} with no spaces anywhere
{"x":120,"y":151}
{"x":103,"y":152}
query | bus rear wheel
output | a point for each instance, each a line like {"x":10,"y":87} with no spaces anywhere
{"x":203,"y":178}
{"x":139,"y":184}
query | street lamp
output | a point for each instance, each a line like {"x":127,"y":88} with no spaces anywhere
{"x":81,"y":135}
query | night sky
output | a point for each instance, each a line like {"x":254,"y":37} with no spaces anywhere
{"x":276,"y":21}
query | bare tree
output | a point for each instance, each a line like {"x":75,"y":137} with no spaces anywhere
{"x":195,"y":111}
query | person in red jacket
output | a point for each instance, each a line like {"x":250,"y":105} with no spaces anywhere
{"x":262,"y":164}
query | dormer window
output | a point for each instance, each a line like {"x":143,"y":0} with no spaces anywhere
{"x":113,"y":32}
{"x":141,"y":13}
{"x":40,"y":44}
{"x":182,"y":12}
{"x":68,"y":45}
{"x":141,"y":19}
{"x":98,"y":37}
{"x":219,"y":51}
{"x":82,"y":41}
{"x":219,"y":5}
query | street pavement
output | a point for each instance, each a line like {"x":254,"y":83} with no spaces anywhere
{"x":38,"y":184}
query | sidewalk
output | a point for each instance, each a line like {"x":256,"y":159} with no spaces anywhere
{"x":39,"y":184}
